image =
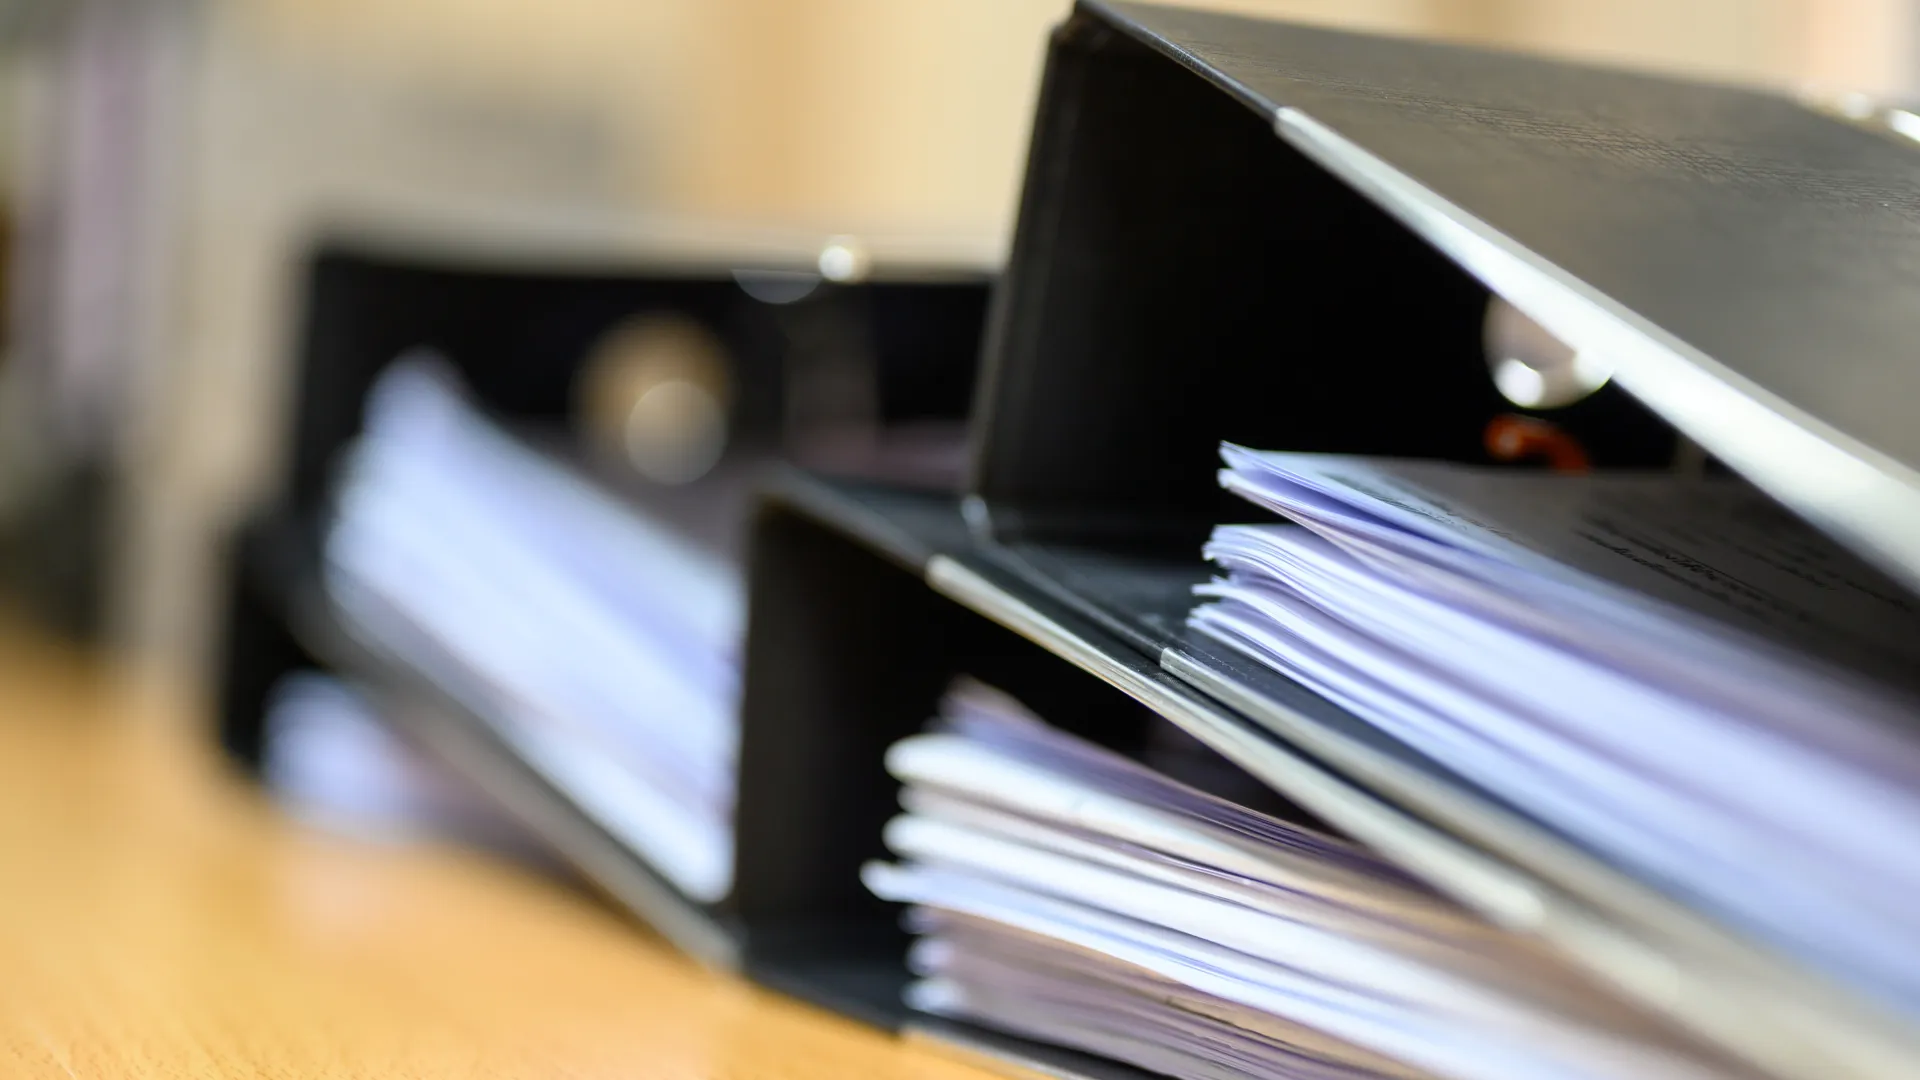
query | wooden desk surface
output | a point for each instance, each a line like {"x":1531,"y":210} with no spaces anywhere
{"x":158,"y":919}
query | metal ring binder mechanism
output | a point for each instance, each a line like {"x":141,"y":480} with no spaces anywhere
{"x":1239,"y":231}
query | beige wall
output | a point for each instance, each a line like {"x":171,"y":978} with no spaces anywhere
{"x":913,"y":112}
{"x":824,"y":112}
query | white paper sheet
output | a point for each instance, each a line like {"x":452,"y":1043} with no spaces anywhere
{"x":1069,"y":894}
{"x":1044,"y":988}
{"x":602,"y":645}
{"x":1669,"y":670}
{"x":328,"y":757}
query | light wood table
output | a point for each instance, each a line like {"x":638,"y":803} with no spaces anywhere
{"x":159,"y":919}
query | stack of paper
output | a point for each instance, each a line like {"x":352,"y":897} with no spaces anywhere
{"x":329,"y":757}
{"x":1067,"y":894}
{"x":1671,"y":671}
{"x":601,"y":645}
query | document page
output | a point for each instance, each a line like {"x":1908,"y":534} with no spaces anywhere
{"x":1066,"y":893}
{"x":602,"y":645}
{"x":1714,"y":547}
{"x":1671,"y":672}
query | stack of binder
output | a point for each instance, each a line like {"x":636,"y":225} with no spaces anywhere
{"x":1680,"y":827}
{"x":1067,"y":893}
{"x":598,"y":643}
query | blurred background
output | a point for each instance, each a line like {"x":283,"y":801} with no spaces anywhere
{"x":166,"y":167}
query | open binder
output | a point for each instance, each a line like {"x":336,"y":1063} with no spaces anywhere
{"x":517,"y":326}
{"x":1288,"y":237}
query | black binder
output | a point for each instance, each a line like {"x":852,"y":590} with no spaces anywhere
{"x":866,"y":603}
{"x":517,"y":326}
{"x":1235,"y":229}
